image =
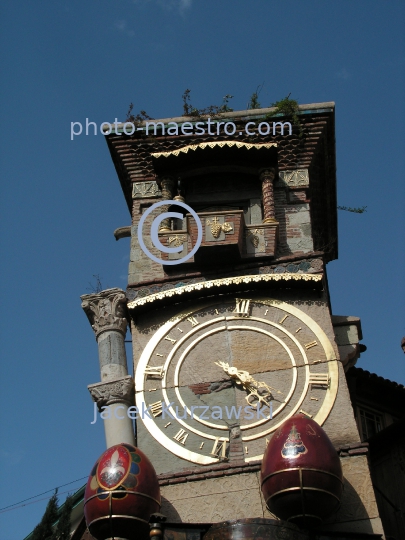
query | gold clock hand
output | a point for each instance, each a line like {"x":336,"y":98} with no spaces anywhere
{"x":240,"y":376}
{"x":249,"y":383}
{"x":260,"y":384}
{"x":244,"y":377}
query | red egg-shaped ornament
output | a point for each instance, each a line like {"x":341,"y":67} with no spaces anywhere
{"x":301,"y":474}
{"x":121,"y":494}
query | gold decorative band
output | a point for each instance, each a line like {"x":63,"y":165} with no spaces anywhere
{"x":116,"y":516}
{"x":302,"y":488}
{"x":301,"y":469}
{"x":122,"y":492}
{"x":221,"y":283}
{"x":213,"y":144}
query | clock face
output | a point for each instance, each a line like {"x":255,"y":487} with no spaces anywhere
{"x":226,"y":375}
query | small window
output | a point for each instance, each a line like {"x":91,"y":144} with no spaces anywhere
{"x":370,"y":423}
{"x":177,"y":224}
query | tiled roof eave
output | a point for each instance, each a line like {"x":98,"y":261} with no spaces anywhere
{"x":214,"y":144}
{"x":216,"y":283}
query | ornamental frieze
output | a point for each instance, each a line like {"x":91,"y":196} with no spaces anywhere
{"x":310,"y":266}
{"x":145,"y":190}
{"x":214,"y":283}
{"x":295,"y":178}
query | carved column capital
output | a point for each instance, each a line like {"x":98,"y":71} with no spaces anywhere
{"x":118,"y":391}
{"x":268,"y":173}
{"x":106,"y":310}
{"x":267,"y":177}
{"x":167,"y":185}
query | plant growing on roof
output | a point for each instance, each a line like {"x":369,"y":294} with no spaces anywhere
{"x":212,"y":110}
{"x":254,"y":98}
{"x":356,"y":210}
{"x":287,"y":107}
{"x":139,"y":118}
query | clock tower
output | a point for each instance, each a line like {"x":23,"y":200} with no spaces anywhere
{"x":234,"y":338}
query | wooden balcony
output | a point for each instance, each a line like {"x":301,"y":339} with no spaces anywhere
{"x":226,"y":237}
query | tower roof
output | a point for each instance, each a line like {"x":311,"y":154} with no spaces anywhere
{"x":239,"y":142}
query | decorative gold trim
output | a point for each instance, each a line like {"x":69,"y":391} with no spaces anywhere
{"x":304,"y":488}
{"x":121,"y":492}
{"x":300,"y":469}
{"x":213,"y":144}
{"x":226,"y":426}
{"x":164,"y":330}
{"x":333,"y":368}
{"x":150,"y":425}
{"x":255,"y":278}
{"x":302,"y":397}
{"x":264,"y":225}
{"x":116,"y":516}
{"x":176,"y":377}
{"x":270,"y":220}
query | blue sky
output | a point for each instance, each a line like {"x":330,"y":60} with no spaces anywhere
{"x":68,"y":60}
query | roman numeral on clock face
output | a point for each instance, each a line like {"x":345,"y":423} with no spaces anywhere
{"x":154,"y":371}
{"x":219,"y":448}
{"x":319,"y":379}
{"x":242,"y":307}
{"x":156,"y":408}
{"x":181,"y":436}
{"x":311,"y":344}
{"x":168,"y":338}
{"x":192,"y":320}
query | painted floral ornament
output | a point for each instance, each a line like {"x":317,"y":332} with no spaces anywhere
{"x":301,"y":474}
{"x":114,"y":467}
{"x":293,"y":447}
{"x":121,"y":493}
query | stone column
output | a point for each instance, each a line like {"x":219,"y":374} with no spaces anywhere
{"x":267,"y":177}
{"x":106,"y":312}
{"x":167,"y":186}
{"x":113,"y":400}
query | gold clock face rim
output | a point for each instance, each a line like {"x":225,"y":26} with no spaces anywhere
{"x":230,"y":328}
{"x":164,"y":330}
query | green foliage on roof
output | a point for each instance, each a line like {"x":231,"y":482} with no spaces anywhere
{"x":357,"y":210}
{"x":289,"y":108}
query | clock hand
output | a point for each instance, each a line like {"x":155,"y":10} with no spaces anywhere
{"x":260,"y":384}
{"x":233,"y":372}
{"x":243,"y":377}
{"x":250,"y":384}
